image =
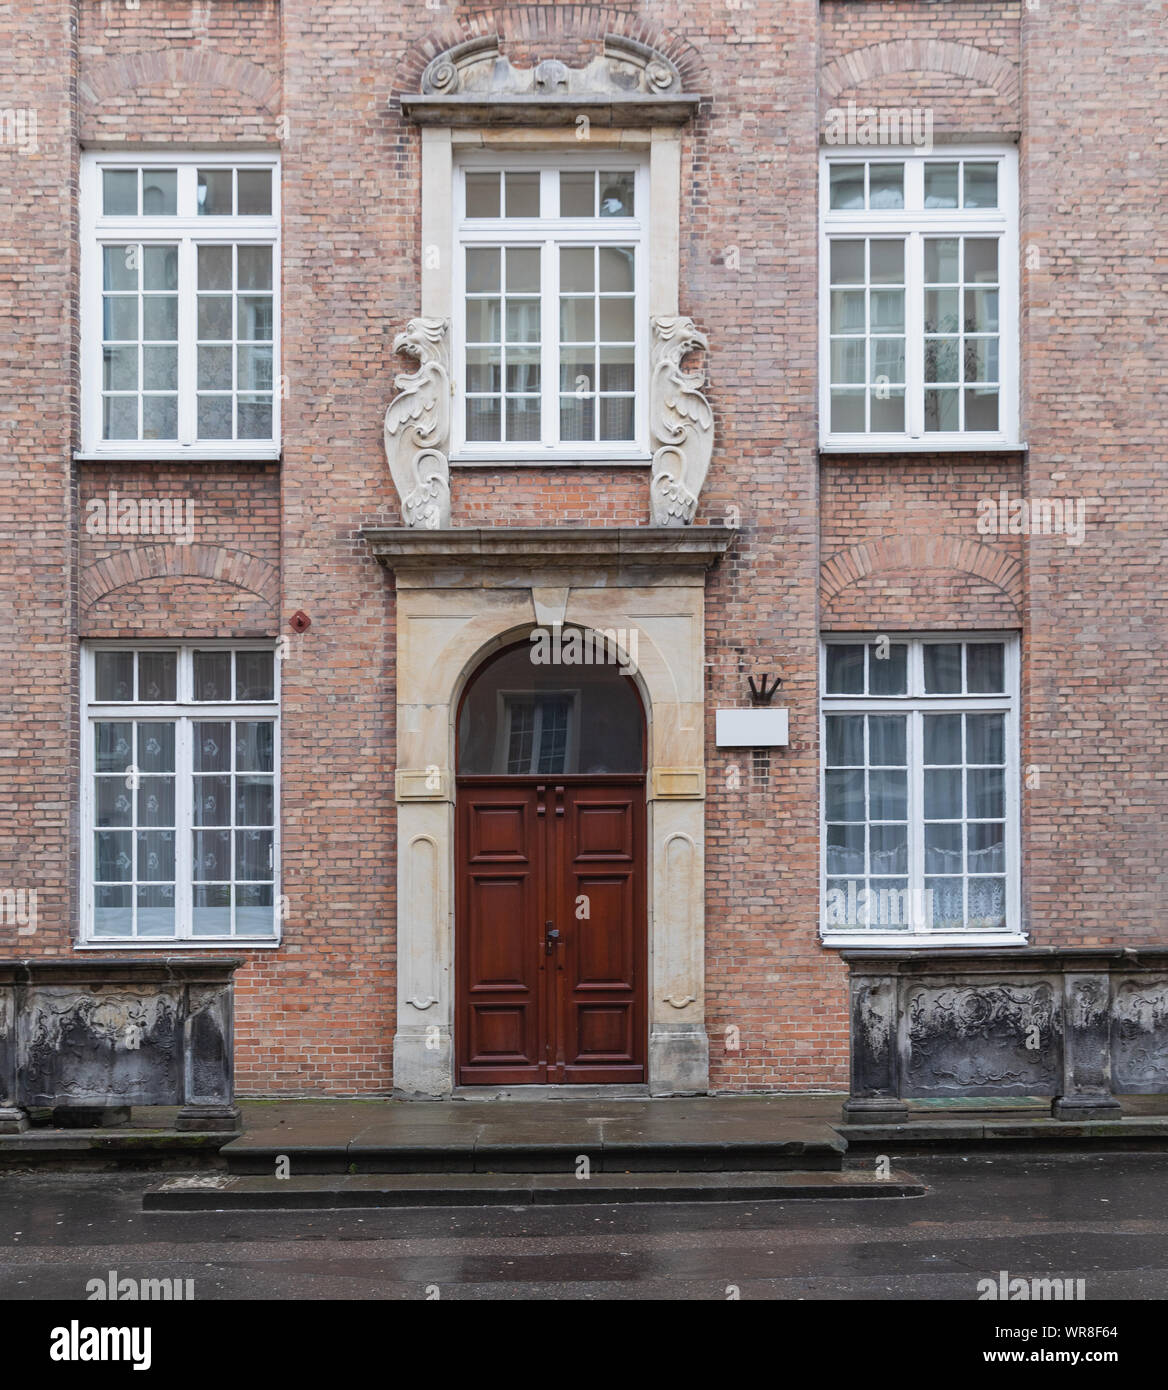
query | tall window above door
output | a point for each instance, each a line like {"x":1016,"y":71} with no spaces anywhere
{"x":551,"y":316}
{"x":180,"y":305}
{"x":919,"y":299}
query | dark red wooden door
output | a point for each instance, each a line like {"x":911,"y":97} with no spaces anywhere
{"x":550,"y":945}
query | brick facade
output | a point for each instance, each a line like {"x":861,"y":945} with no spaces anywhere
{"x":826,"y":543}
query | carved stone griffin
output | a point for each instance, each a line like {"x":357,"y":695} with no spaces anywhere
{"x":417,"y":425}
{"x":682,"y":423}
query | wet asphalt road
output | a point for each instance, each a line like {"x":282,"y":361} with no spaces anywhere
{"x":1103,"y":1218}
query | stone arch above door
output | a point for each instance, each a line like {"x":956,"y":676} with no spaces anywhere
{"x":462,"y":595}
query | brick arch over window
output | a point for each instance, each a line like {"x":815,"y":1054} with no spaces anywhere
{"x":972,"y":566}
{"x":548,"y":31}
{"x":179,"y":67}
{"x":920,"y":55}
{"x":167,"y":560}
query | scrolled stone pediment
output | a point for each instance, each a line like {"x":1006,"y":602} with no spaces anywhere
{"x":475,"y":81}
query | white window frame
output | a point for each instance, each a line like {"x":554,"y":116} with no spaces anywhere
{"x":914,"y":222}
{"x":98,"y":230}
{"x":914,"y":703}
{"x":550,"y":231}
{"x":183,"y":711}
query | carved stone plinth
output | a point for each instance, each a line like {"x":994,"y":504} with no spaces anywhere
{"x":680,"y":421}
{"x":417,"y":425}
{"x":94,"y":1037}
{"x":1080,"y":1026}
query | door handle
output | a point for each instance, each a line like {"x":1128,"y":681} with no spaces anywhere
{"x":550,"y":937}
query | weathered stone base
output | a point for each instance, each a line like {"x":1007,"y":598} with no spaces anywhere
{"x":879,"y":1110}
{"x":211,"y":1119}
{"x":423,"y":1062}
{"x":13,"y":1120}
{"x":679,"y":1060}
{"x":1086,"y":1108}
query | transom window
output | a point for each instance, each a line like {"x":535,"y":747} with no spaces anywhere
{"x":180,"y":752}
{"x":919,"y":297}
{"x":920,"y":813}
{"x":179,"y":306}
{"x":550,"y":340}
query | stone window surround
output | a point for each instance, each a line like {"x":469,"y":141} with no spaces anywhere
{"x":441,"y":144}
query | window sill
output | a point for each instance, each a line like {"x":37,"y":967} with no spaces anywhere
{"x":896,"y":444}
{"x":866,"y":940}
{"x":176,"y":943}
{"x":186,"y":453}
{"x":627,"y":460}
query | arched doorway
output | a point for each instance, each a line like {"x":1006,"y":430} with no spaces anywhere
{"x":550,"y":868}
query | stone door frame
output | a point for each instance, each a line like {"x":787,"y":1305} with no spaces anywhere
{"x":464,"y":594}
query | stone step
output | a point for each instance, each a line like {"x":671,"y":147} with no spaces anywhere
{"x":252,"y":1156}
{"x":224,"y":1192}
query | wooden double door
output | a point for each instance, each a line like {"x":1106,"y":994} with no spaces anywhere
{"x":550,"y":943}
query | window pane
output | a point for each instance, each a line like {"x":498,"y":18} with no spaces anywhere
{"x":886,"y":186}
{"x":113,"y":676}
{"x":616,"y":418}
{"x":981,"y":311}
{"x":887,"y":262}
{"x":578,"y":193}
{"x":847,"y":412}
{"x":886,"y":742}
{"x":255,"y":192}
{"x":847,"y":262}
{"x":847,"y":186}
{"x":254,"y":745}
{"x":987,"y":793}
{"x":941,"y":260}
{"x":942,"y":668}
{"x":156,"y":747}
{"x":254,"y":910}
{"x":981,"y":410}
{"x":987,"y":847}
{"x":113,"y":856}
{"x":156,"y":909}
{"x":155,"y":856}
{"x":113,"y":745}
{"x":981,"y":260}
{"x":847,"y":360}
{"x":943,"y":740}
{"x":617,"y":321}
{"x":845,"y":668}
{"x":214,"y":267}
{"x":254,"y":801}
{"x":943,"y":793}
{"x":986,"y":667}
{"x":482,"y":194}
{"x":254,"y":417}
{"x":214,"y":415}
{"x":616,"y":195}
{"x":212,"y":672}
{"x":887,"y":794}
{"x":845,"y":850}
{"x":616,"y":268}
{"x":114,"y":802}
{"x":522,"y":192}
{"x":987,"y":902}
{"x":160,"y":368}
{"x":847,"y":311}
{"x":119,"y":192}
{"x":254,"y":675}
{"x":212,"y":854}
{"x":943,"y":854}
{"x":577,"y":269}
{"x":159,"y":192}
{"x":157,"y":676}
{"x":120,"y":267}
{"x":159,"y":268}
{"x":212,"y":909}
{"x":948,"y":902}
{"x":212,"y":746}
{"x":523,"y":419}
{"x":941,"y":311}
{"x":523,"y":320}
{"x":113,"y":913}
{"x":214,"y":316}
{"x":981,"y":186}
{"x":212,"y":805}
{"x":483,"y":273}
{"x":483,"y":419}
{"x":941,"y":409}
{"x":941,"y":185}
{"x":255,"y":267}
{"x":985,"y":738}
{"x":523,"y":269}
{"x":887,"y":412}
{"x":887,"y":311}
{"x":214,"y":192}
{"x":845,"y":740}
{"x":844,"y":795}
{"x":577,"y":320}
{"x":484,"y":321}
{"x":889,"y":849}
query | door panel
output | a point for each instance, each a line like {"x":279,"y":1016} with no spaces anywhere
{"x":569,"y":855}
